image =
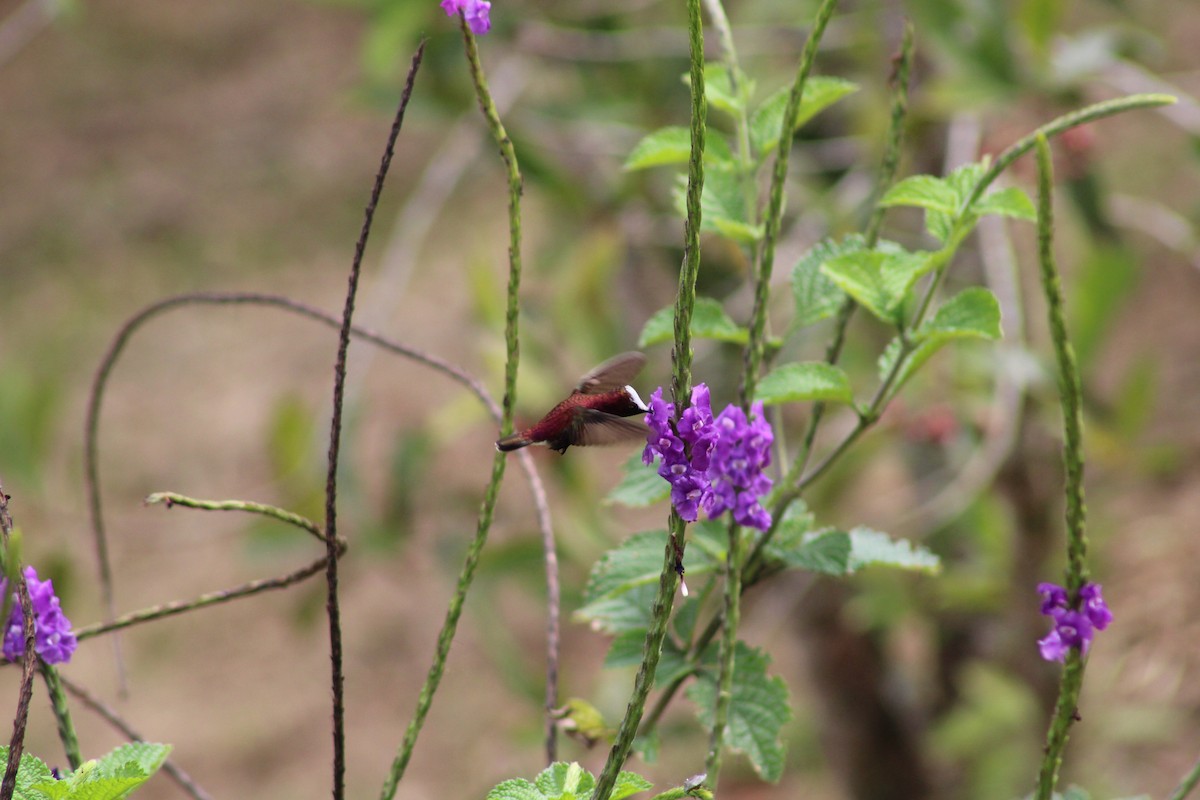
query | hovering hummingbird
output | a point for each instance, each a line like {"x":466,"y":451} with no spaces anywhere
{"x":596,"y":412}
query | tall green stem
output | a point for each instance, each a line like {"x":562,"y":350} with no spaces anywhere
{"x":681,"y":385}
{"x":1065,"y":709}
{"x":62,"y":714}
{"x":512,"y":347}
{"x":762,"y":285}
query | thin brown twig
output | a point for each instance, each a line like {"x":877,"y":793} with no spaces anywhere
{"x":209,"y":599}
{"x":332,"y":609}
{"x":113,"y":718}
{"x":17,"y":743}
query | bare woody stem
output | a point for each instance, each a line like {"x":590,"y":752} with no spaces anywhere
{"x":13,"y":568}
{"x":332,"y":605}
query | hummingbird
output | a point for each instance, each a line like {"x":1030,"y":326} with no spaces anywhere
{"x":596,"y":412}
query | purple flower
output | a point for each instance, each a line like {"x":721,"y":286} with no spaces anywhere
{"x":474,"y":11}
{"x":53,"y":639}
{"x":689,"y":486}
{"x":1094,"y":607}
{"x":1072,"y":628}
{"x":742,"y":452}
{"x":1054,"y":597}
{"x":714,"y":464}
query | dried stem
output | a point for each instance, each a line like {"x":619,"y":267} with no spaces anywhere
{"x":17,"y":743}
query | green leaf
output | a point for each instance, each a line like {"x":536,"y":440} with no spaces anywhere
{"x":719,"y":89}
{"x":626,"y":651}
{"x":31,"y":771}
{"x":515,"y":789}
{"x":758,"y":710}
{"x":149,"y":756}
{"x":635,"y":562}
{"x":817,"y":297}
{"x":640,"y":487}
{"x":878,"y":280}
{"x":923,"y":191}
{"x":723,"y":206}
{"x":962,"y":181}
{"x":972,"y":313}
{"x":616,"y":613}
{"x":1010,"y":202}
{"x":802,"y":382}
{"x":565,"y":781}
{"x":766,"y":122}
{"x":869,"y":547}
{"x":826,"y":552}
{"x":709,"y":321}
{"x":629,"y":783}
{"x":673,"y":145}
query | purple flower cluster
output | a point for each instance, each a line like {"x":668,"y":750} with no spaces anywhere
{"x":474,"y":11}
{"x":1072,"y":628}
{"x":714,"y":464}
{"x":53,"y":639}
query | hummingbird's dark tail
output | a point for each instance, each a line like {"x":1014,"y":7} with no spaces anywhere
{"x":513,"y":442}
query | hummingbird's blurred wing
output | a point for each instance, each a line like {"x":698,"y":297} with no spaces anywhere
{"x":598,"y":428}
{"x":615,"y":373}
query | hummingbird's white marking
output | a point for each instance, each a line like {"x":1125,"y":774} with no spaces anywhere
{"x":633,"y":395}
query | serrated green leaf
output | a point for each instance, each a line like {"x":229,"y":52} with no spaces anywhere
{"x":804,"y":382}
{"x":563,"y":781}
{"x":635,"y":562}
{"x":758,"y":710}
{"x":817,"y":297}
{"x":629,"y":783}
{"x":766,"y":122}
{"x":962,"y":181}
{"x":31,"y":771}
{"x":826,"y":552}
{"x":615,"y":613}
{"x":641,"y":485}
{"x":972,"y":313}
{"x":722,"y":204}
{"x":719,"y":89}
{"x":878,"y":280}
{"x":515,"y":789}
{"x":1010,"y":202}
{"x":673,"y":145}
{"x":870,"y":547}
{"x":709,"y":321}
{"x":149,"y":756}
{"x":739,"y":232}
{"x":923,"y":191}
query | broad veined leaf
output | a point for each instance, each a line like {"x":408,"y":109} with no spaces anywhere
{"x":640,"y":486}
{"x":637,"y":562}
{"x":802,"y":382}
{"x":566,"y":781}
{"x":622,"y":611}
{"x":723,"y":206}
{"x":626,"y":651}
{"x":817,"y":297}
{"x":709,"y":321}
{"x":673,"y":145}
{"x":923,"y":191}
{"x":878,"y":280}
{"x":757,"y":712}
{"x":629,"y":783}
{"x":973,"y":313}
{"x":826,"y":552}
{"x":766,"y":123}
{"x":963,"y":181}
{"x":720,"y":92}
{"x":1010,"y":202}
{"x":870,"y":547}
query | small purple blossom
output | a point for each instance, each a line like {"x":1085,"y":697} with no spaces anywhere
{"x":474,"y":11}
{"x":53,"y":639}
{"x":1072,"y":628}
{"x":742,"y":452}
{"x":714,"y":464}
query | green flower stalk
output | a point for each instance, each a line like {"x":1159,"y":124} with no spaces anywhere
{"x":512,"y":346}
